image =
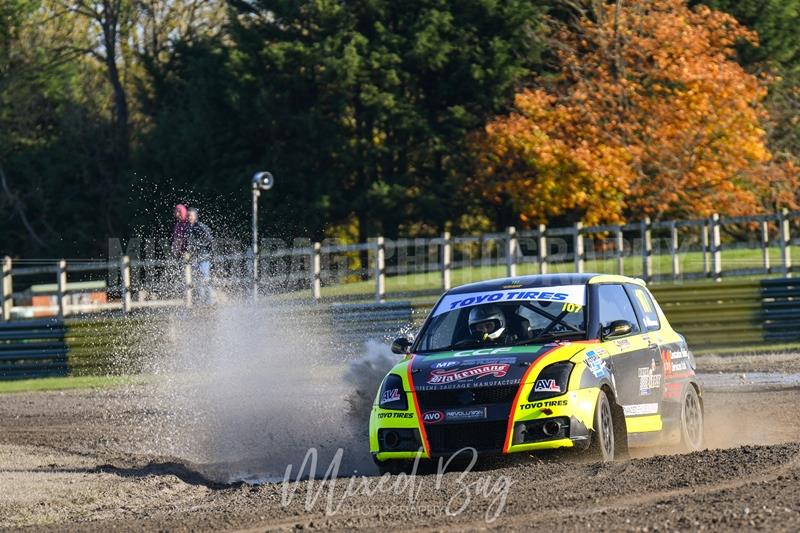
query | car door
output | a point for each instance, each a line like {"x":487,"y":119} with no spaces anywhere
{"x":636,"y":362}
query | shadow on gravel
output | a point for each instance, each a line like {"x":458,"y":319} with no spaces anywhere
{"x":179,"y":470}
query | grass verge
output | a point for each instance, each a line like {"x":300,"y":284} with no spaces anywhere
{"x":68,"y":382}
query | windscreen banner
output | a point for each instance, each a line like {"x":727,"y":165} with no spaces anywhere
{"x":573,"y":294}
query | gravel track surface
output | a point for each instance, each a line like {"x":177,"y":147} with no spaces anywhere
{"x":69,"y":461}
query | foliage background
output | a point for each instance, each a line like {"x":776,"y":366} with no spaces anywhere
{"x":385,"y":117}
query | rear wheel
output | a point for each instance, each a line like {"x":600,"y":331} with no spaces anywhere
{"x":691,"y":420}
{"x":603,"y":436}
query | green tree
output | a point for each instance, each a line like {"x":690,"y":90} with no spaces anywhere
{"x":777,"y":54}
{"x":382,"y":94}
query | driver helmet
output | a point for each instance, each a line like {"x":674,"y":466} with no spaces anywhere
{"x":487,"y":322}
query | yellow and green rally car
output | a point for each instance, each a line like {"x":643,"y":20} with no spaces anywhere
{"x":538,"y":362}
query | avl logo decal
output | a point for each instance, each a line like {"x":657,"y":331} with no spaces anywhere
{"x":546,"y":385}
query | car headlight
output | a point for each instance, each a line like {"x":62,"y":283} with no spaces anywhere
{"x":552,"y":381}
{"x":392,"y":394}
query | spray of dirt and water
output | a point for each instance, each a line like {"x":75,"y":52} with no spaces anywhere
{"x":243,"y":390}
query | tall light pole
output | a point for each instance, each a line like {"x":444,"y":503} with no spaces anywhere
{"x":262,"y":181}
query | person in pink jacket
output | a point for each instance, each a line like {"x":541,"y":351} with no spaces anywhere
{"x":178,"y":244}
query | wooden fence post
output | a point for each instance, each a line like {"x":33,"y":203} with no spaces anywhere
{"x":765,"y":244}
{"x":716,"y":248}
{"x":447,"y":260}
{"x":647,"y":249}
{"x":380,"y":269}
{"x":61,"y":288}
{"x":511,"y":251}
{"x":187,"y":280}
{"x":6,"y":290}
{"x":673,"y":234}
{"x":578,"y":246}
{"x":541,"y":249}
{"x":125,"y":278}
{"x":704,"y":238}
{"x":620,"y":252}
{"x":786,"y":241}
{"x":316,"y":271}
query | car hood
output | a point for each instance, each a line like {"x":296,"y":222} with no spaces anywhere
{"x":485,"y":367}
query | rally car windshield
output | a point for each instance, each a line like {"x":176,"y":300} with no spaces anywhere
{"x":528,"y":316}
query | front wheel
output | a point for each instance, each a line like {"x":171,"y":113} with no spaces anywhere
{"x":603,"y":441}
{"x":691,"y":421}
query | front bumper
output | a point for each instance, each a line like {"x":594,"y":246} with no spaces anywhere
{"x":572,"y":412}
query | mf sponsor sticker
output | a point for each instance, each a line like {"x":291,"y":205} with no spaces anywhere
{"x":546,"y":385}
{"x":443,"y":377}
{"x":390,"y":395}
{"x":444,"y":364}
{"x":574,"y":294}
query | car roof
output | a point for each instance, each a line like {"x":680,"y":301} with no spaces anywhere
{"x":541,"y":280}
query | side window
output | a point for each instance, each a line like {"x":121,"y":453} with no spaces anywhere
{"x":646,"y":307}
{"x":615,"y":305}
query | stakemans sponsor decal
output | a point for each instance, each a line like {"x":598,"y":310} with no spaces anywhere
{"x":442,"y":377}
{"x":574,"y":294}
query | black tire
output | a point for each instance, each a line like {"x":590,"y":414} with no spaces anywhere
{"x":602,"y":446}
{"x":691,"y":421}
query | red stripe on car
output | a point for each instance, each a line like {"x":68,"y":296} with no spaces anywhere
{"x":416,"y":407}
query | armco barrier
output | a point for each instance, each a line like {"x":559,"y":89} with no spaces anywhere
{"x":737,"y":312}
{"x":748,"y":313}
{"x":93,"y":346}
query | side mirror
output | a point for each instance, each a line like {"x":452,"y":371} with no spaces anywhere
{"x":401,"y":345}
{"x":617,"y":328}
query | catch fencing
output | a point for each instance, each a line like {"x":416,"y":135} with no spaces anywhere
{"x":713,"y":248}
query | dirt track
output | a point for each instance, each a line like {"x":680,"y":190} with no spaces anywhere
{"x":66,"y":463}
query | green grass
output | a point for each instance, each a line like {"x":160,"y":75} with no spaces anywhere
{"x":68,"y":382}
{"x":689,"y":263}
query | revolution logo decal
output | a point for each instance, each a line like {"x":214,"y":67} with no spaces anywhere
{"x":441,"y":377}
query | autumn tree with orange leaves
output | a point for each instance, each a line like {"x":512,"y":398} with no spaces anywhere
{"x":650,"y":114}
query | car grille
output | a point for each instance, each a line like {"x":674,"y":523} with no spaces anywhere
{"x":483,"y":436}
{"x":440,"y":399}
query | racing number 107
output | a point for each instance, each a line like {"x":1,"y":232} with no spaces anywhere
{"x":572,"y":308}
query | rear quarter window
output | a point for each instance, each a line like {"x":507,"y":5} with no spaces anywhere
{"x":646,"y":307}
